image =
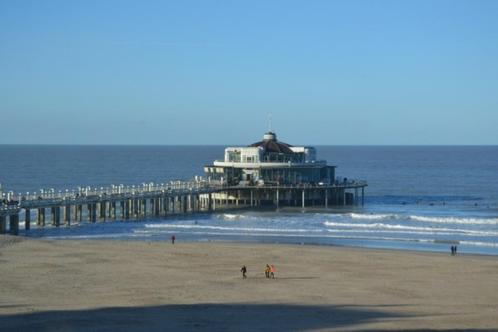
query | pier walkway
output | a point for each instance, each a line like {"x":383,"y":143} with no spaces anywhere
{"x":161,"y":200}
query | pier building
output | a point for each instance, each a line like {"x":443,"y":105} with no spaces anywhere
{"x":271,"y":162}
{"x":273,"y":173}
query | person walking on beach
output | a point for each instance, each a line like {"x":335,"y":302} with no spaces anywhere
{"x":244,"y":271}
{"x":272,"y":271}
{"x":267,"y":271}
{"x":173,"y":238}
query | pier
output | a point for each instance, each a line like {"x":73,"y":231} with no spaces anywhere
{"x":268,"y":173}
{"x":121,"y":203}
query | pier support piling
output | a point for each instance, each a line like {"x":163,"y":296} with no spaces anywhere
{"x":3,"y":225}
{"x":122,"y":205}
{"x":79,"y":212}
{"x":144,"y":207}
{"x":102,"y":210}
{"x":41,"y":217}
{"x":157,"y":207}
{"x":112,"y":210}
{"x":56,"y":215}
{"x":127,"y":209}
{"x":27,"y":219}
{"x":67,"y":215}
{"x":93,"y":212}
{"x":53,"y":215}
{"x":278,"y":199}
{"x":14,"y":224}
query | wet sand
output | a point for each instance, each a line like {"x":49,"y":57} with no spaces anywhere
{"x":141,"y":286}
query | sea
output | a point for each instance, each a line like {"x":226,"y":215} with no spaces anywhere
{"x":423,"y":198}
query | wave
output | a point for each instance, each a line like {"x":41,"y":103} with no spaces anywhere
{"x":431,"y":219}
{"x":431,"y":230}
{"x":269,"y":234}
{"x":373,"y":216}
{"x":479,"y":244}
{"x":349,"y":237}
{"x":236,"y":216}
{"x":223,"y":228}
{"x":455,"y":220}
{"x":228,"y":216}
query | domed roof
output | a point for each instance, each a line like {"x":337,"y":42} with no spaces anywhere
{"x":270,"y":144}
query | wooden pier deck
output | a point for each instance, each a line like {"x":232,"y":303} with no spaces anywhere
{"x":162,"y":200}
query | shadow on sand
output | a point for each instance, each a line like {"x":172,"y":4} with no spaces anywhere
{"x":211,"y":317}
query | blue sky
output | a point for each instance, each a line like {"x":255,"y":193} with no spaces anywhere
{"x":209,"y":72}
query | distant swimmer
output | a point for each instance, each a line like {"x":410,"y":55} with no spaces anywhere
{"x":244,"y":271}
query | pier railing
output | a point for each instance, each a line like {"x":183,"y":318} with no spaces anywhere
{"x":113,"y":192}
{"x":14,"y":202}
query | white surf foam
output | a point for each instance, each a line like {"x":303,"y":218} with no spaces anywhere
{"x":432,"y":219}
{"x":431,"y":230}
{"x":224,"y":228}
{"x":479,"y":244}
{"x":228,"y":216}
{"x":335,"y":236}
{"x":372,"y":216}
{"x":456,"y":220}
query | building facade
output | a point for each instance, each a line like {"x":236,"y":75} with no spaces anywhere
{"x":271,"y":162}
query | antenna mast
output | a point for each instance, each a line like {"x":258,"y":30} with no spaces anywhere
{"x":269,"y":122}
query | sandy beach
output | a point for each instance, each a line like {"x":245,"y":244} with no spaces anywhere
{"x":141,"y":286}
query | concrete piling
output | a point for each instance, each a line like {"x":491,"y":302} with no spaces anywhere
{"x":102,"y":210}
{"x":127,"y":209}
{"x":67,"y":215}
{"x":14,"y":224}
{"x":27,"y":219}
{"x":79,"y":210}
{"x":41,"y":217}
{"x":3,"y":225}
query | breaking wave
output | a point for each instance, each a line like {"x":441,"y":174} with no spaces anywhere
{"x":223,"y":228}
{"x":373,"y":216}
{"x":455,"y":220}
{"x":430,"y":219}
{"x":432,"y":230}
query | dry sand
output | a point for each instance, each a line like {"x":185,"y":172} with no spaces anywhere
{"x":125,"y":285}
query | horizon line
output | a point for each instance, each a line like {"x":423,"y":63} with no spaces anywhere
{"x":244,"y":145}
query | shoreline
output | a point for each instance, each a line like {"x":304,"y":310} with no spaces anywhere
{"x":291,"y":243}
{"x":385,"y":229}
{"x":101,"y":284}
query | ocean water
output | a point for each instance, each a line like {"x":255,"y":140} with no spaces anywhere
{"x":418,"y":198}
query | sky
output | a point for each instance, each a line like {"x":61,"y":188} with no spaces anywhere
{"x":210,"y":72}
